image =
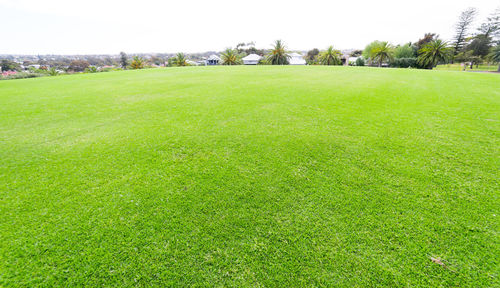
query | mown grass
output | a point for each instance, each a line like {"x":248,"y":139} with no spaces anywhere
{"x":459,"y":67}
{"x":250,"y":177}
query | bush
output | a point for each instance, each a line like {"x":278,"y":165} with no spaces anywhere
{"x":360,"y":62}
{"x":91,"y":69}
{"x":404,"y":63}
{"x":20,"y":75}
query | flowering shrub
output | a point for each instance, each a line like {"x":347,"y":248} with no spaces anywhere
{"x":8,"y":73}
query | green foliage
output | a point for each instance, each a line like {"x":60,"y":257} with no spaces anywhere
{"x":8,"y":65}
{"x":53,"y":71}
{"x":410,"y":62}
{"x":137,"y":63}
{"x":91,"y":69}
{"x":433,"y":52}
{"x":312,"y":56}
{"x":368,"y":51}
{"x":480,"y":45}
{"x":404,"y":51}
{"x":382,"y":53}
{"x":179,"y":60}
{"x":495,"y":53}
{"x":330,"y":57}
{"x":231,"y":57}
{"x":360,"y":61}
{"x":278,"y":55}
{"x":378,"y":52}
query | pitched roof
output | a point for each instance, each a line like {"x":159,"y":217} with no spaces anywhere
{"x":252,"y":57}
{"x":214,"y":57}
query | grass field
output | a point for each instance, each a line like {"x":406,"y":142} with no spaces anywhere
{"x":251,"y":177}
{"x":458,"y":67}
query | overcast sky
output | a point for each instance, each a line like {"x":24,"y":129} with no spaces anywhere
{"x":111,"y":26}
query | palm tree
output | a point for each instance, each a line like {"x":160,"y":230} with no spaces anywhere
{"x":495,"y":55}
{"x":433,"y":52}
{"x":180,"y":60}
{"x":53,"y":72}
{"x":230,"y":57}
{"x":330,"y":57}
{"x":382,"y":52}
{"x":279,"y":55}
{"x":137,"y":63}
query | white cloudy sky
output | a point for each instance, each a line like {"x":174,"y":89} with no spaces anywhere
{"x":110,"y":26}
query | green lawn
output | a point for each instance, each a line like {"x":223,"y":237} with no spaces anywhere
{"x":458,"y":67}
{"x":251,"y":177}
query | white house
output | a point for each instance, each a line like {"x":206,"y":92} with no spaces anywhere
{"x":296,"y":59}
{"x":212,"y":60}
{"x":252,"y":59}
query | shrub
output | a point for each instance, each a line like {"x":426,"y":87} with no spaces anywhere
{"x":91,"y":69}
{"x":404,"y":62}
{"x":360,"y":61}
{"x":19,"y":75}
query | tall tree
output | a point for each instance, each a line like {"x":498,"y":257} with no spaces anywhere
{"x":123,"y":60}
{"x":278,"y":55}
{"x":433,"y":52}
{"x":491,"y":28}
{"x":330,"y":57}
{"x":462,"y":29}
{"x":230,"y":57}
{"x":382,"y":52}
{"x":480,"y":45}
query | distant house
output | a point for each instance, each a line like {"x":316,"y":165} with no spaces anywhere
{"x":212,"y":60}
{"x":252,"y":59}
{"x":297,"y":59}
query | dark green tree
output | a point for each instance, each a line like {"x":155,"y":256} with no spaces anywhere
{"x":312,"y":55}
{"x":8,"y":65}
{"x":123,"y":60}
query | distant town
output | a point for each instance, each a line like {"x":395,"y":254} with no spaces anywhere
{"x":78,"y":63}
